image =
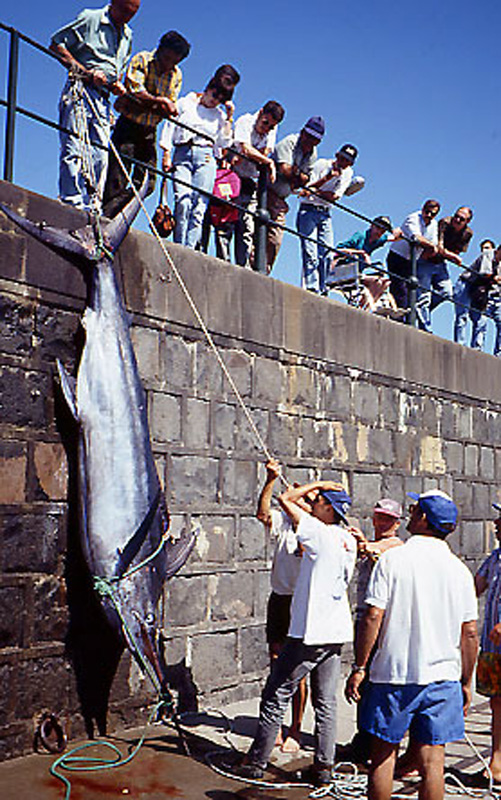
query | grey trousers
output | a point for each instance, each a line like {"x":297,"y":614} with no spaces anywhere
{"x":323,"y":664}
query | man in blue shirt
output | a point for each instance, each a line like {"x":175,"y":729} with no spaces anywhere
{"x":94,"y":48}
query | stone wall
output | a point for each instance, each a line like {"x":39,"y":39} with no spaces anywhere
{"x":334,"y":392}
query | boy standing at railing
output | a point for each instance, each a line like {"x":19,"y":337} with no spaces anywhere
{"x":95,"y":48}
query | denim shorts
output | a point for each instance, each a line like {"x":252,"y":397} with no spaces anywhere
{"x":433,"y":714}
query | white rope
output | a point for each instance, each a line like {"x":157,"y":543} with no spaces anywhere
{"x":191,"y":302}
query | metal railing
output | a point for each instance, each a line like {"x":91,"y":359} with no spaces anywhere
{"x":261,"y":216}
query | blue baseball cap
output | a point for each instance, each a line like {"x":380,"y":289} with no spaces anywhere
{"x":497,"y":506}
{"x":440,"y":509}
{"x":339,"y":500}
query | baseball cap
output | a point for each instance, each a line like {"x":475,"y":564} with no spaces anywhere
{"x":440,"y":509}
{"x":348,"y":151}
{"x":315,"y":127}
{"x":382,"y":221}
{"x":497,"y":506}
{"x":389,"y":507}
{"x":339,"y":500}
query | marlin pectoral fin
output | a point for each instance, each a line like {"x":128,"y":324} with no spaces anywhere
{"x":61,"y":241}
{"x":116,"y":230}
{"x":137,"y":540}
{"x":177,"y":552}
{"x":68,"y":388}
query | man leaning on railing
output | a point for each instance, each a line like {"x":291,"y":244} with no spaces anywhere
{"x":95,"y":48}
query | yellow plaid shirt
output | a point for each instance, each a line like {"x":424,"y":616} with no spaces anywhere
{"x":143,"y":75}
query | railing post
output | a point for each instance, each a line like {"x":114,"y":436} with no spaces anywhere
{"x":413,"y":286}
{"x":10,"y":126}
{"x":260,"y":223}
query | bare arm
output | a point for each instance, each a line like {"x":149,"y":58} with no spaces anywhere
{"x":366,"y":639}
{"x":469,"y":653}
{"x":480,"y":584}
{"x":291,"y":499}
{"x":263,"y":512}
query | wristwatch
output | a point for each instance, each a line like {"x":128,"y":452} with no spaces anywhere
{"x":357,"y":668}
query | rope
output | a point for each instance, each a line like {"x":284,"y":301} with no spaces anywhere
{"x":191,"y":303}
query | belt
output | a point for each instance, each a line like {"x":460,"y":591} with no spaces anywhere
{"x":315,"y":206}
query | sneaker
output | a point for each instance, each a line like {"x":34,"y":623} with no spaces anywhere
{"x":317,"y":776}
{"x":252,"y":772}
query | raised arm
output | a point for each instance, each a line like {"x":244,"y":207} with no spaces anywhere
{"x":292,"y":499}
{"x":263,"y":512}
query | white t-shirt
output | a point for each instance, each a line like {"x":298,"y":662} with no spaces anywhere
{"x":414,"y":225}
{"x":320,"y":612}
{"x":210,"y":121}
{"x":287,"y":558}
{"x":337,"y":184}
{"x":246,"y":134}
{"x":427,"y":593}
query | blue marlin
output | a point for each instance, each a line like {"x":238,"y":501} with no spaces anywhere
{"x":122,"y":509}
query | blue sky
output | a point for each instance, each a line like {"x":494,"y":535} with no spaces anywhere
{"x":415,"y":86}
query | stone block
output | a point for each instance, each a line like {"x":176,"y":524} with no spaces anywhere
{"x":196,"y":429}
{"x":224,"y":424}
{"x":454,"y":457}
{"x":262,"y":590}
{"x":317,"y":438}
{"x":254,"y":650}
{"x":239,"y":366}
{"x":336,"y":392}
{"x":448,"y":422}
{"x":366,"y":489}
{"x":284,"y":435}
{"x":25,"y":398}
{"x":480,"y":424}
{"x":389,"y":399}
{"x":58,"y":335}
{"x":381,"y":447}
{"x":214,"y":659}
{"x":176,"y":362}
{"x":487,"y":470}
{"x":481,"y":496}
{"x":239,"y":482}
{"x":31,"y":542}
{"x":412,"y":410}
{"x":413,"y":483}
{"x":472,"y":538}
{"x":165,"y":415}
{"x":303,"y":387}
{"x":16,"y":326}
{"x":431,"y":457}
{"x":146,"y":344}
{"x":252,"y":540}
{"x":231,"y":596}
{"x":407,"y":450}
{"x":365,"y":401}
{"x":208,"y":372}
{"x":344,"y":443}
{"x":51,"y":470}
{"x":186,"y":601}
{"x":393,"y":487}
{"x":494,"y":428}
{"x":462,"y":495}
{"x":464,"y":422}
{"x":43,"y":683}
{"x":431,"y":415}
{"x":7,"y":697}
{"x":471,"y":454}
{"x":215,"y":540}
{"x":12,"y":472}
{"x":269,"y":381}
{"x":193,"y":480}
{"x":12,"y":618}
{"x":51,"y":609}
{"x":247,"y":441}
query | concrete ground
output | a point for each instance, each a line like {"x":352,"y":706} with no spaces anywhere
{"x":160,"y":770}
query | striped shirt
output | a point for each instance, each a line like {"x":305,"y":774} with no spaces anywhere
{"x":142,"y":75}
{"x":491,"y":571}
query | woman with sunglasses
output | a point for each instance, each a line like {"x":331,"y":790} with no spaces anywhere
{"x":208,"y":116}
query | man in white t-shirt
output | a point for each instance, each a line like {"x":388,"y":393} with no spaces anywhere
{"x":421,"y":603}
{"x":420,"y":227}
{"x":255,"y":137}
{"x":320,"y":624}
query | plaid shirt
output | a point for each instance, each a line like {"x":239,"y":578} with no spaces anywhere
{"x":143,"y":75}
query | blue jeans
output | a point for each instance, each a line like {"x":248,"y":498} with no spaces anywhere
{"x":315,"y":222}
{"x":431,"y":277}
{"x":462,"y":297}
{"x":322,"y":663}
{"x":479,"y":320}
{"x":195,"y":166}
{"x":72,"y":186}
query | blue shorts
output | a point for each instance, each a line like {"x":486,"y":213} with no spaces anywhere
{"x":433,"y":714}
